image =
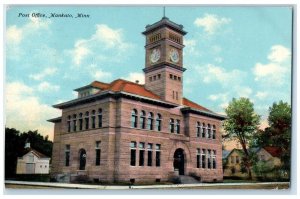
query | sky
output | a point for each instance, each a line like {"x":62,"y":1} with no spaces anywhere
{"x":230,"y":52}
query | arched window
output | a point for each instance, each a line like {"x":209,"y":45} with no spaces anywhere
{"x":143,"y":120}
{"x":208,"y":131}
{"x":134,"y":118}
{"x":87,"y":120}
{"x":203,"y":130}
{"x":214,"y":132}
{"x":198,"y":129}
{"x":93,"y":119}
{"x":150,"y":121}
{"x":158,"y":122}
{"x":80,"y":121}
{"x":69,"y":123}
{"x":172,"y":125}
{"x":74,"y":122}
{"x":177,"y":126}
{"x":99,"y":117}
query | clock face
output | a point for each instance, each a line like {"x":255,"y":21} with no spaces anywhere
{"x":155,"y":55}
{"x":174,"y":55}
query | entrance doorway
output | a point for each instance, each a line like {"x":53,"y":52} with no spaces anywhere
{"x":179,"y":161}
{"x":82,"y":159}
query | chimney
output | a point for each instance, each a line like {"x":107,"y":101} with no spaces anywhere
{"x":137,"y":81}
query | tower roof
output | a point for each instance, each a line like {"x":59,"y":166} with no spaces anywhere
{"x":165,"y":22}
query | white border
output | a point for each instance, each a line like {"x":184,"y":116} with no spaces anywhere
{"x":295,"y":139}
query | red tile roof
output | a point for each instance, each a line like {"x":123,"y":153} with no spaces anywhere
{"x":138,"y":89}
{"x":191,"y":104}
{"x":100,"y":85}
{"x":125,"y":86}
{"x":274,"y":151}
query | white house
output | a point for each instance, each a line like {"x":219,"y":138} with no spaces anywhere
{"x":33,"y":162}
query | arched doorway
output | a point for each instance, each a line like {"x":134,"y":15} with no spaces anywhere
{"x":179,"y":161}
{"x":82,"y":159}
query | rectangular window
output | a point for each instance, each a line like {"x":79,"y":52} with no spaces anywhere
{"x":209,"y":159}
{"x":237,"y":159}
{"x":177,"y":127}
{"x":74,"y":125}
{"x":69,"y":126}
{"x":98,"y":153}
{"x":100,"y":120}
{"x":172,"y":125}
{"x":214,"y":159}
{"x":132,"y":153}
{"x":158,"y":76}
{"x":173,"y":95}
{"x":203,"y":158}
{"x":80,"y":124}
{"x":198,"y":158}
{"x":149,"y":148}
{"x":67,"y":155}
{"x":93,"y":121}
{"x":179,"y":79}
{"x":157,"y":155}
{"x":142,"y":153}
{"x":176,"y":95}
{"x":86,"y":123}
{"x":203,"y":130}
{"x":171,"y":76}
{"x":198,"y":129}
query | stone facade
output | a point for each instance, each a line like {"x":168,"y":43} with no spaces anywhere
{"x":103,"y":136}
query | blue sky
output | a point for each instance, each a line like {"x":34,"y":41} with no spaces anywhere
{"x":230,"y":52}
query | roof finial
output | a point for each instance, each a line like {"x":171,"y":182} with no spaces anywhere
{"x":164,"y":12}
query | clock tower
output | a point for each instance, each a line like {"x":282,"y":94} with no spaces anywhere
{"x":164,"y":65}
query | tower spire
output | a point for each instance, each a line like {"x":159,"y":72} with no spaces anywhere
{"x":164,"y":12}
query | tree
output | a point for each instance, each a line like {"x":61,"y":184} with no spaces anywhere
{"x":280,"y":121}
{"x":241,"y":123}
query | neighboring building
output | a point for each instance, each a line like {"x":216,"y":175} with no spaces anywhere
{"x":125,"y":131}
{"x":32,"y":162}
{"x":232,"y":162}
{"x":270,"y":154}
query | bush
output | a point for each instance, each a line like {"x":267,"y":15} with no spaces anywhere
{"x":33,"y":177}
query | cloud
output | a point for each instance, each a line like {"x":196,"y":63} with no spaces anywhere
{"x":211,"y":23}
{"x":105,"y":44}
{"x":190,"y":47}
{"x":97,"y":73}
{"x":212,"y":73}
{"x":136,"y":76}
{"x":279,"y":54}
{"x":43,"y":74}
{"x":243,"y":91}
{"x":14,"y":35}
{"x":277,"y":71}
{"x":261,"y":94}
{"x":24,"y":111}
{"x":80,"y":52}
{"x":220,"y":96}
{"x":46,"y":87}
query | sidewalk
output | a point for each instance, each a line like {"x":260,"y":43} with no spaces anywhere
{"x":263,"y":185}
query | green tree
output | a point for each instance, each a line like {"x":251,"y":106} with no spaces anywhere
{"x":280,"y":121}
{"x":240,"y":124}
